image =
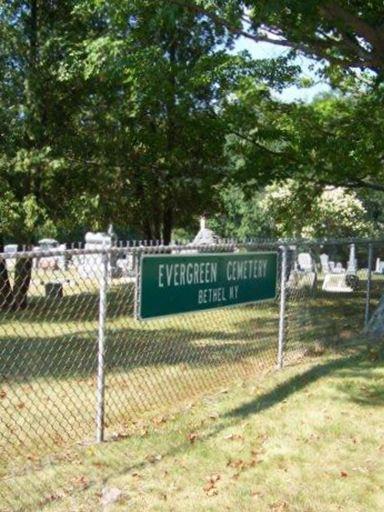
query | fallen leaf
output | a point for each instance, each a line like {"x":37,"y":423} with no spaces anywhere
{"x":53,"y":497}
{"x":81,"y":481}
{"x":159,"y":420}
{"x":153,"y":458}
{"x":210,"y":487}
{"x":118,"y":436}
{"x":343,"y":473}
{"x":234,"y":437}
{"x":192,"y":437}
{"x":3,"y":393}
{"x":236,"y":464}
{"x":207,"y":487}
{"x":280,"y":506}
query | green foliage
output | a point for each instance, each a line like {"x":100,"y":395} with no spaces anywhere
{"x":348,"y":35}
{"x":336,"y":140}
{"x":115,"y":112}
{"x":134,"y":112}
{"x":307,"y":212}
{"x":290,"y":210}
{"x":241,"y":218}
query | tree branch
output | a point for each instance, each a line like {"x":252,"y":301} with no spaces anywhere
{"x":356,"y":183}
{"x":334,"y":11}
{"x":315,"y":48}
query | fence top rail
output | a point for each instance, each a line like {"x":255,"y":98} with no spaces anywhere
{"x":185,"y":248}
{"x":139,"y":249}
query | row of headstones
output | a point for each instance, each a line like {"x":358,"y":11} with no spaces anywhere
{"x":46,"y":262}
{"x":90,"y":265}
{"x":336,"y":277}
{"x":306,"y":263}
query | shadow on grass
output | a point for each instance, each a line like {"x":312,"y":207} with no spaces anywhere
{"x":82,"y":307}
{"x":355,"y":365}
{"x":326,"y":319}
{"x":75,"y":355}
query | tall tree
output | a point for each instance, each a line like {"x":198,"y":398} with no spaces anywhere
{"x":36,"y":123}
{"x":167,"y":75}
{"x":345,"y":33}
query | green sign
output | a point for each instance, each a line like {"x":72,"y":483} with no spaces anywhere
{"x":173,"y":284}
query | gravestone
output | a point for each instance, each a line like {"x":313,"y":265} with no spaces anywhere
{"x":11,"y":249}
{"x":339,"y":269}
{"x":53,"y":262}
{"x":305,"y":262}
{"x":329,"y":266}
{"x":126,"y":266}
{"x":325,"y":263}
{"x":336,"y":283}
{"x":54,"y":290}
{"x":90,"y":265}
{"x":379,"y":269}
{"x":299,"y":280}
{"x":304,"y":274}
{"x":352,"y":262}
{"x":205,"y":236}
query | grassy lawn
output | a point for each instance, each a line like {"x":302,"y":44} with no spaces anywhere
{"x":154,"y":369}
{"x":309,"y":438}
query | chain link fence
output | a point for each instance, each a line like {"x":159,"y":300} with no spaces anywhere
{"x":77,"y":367}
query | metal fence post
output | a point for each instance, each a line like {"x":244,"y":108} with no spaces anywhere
{"x":100,"y":389}
{"x":369,"y":282}
{"x":280,"y":355}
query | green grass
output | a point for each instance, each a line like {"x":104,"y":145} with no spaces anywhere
{"x":48,"y":368}
{"x":309,"y":438}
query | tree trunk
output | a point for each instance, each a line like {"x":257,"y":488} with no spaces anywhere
{"x":167,"y":224}
{"x":147,"y":228}
{"x":157,"y":220}
{"x":23,"y":273}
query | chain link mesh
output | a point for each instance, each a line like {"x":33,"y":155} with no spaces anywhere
{"x":50,"y":329}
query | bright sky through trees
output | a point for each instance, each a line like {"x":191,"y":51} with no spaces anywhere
{"x":266,"y":50}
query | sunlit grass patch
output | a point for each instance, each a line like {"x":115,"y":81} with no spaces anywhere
{"x":296,"y":441}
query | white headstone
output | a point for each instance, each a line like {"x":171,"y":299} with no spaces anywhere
{"x":10,"y":248}
{"x":324,"y":260}
{"x":336,"y":283}
{"x":352,"y":262}
{"x":339,"y":269}
{"x":90,"y":265}
{"x":305,"y":262}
